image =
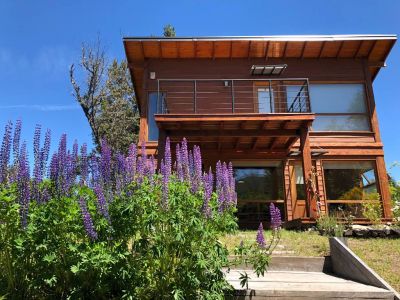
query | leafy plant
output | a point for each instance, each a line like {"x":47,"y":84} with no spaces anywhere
{"x":329,"y":225}
{"x":113,"y":226}
{"x":372,"y":209}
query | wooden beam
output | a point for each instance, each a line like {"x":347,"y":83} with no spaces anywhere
{"x":322,"y":49}
{"x":303,"y":49}
{"x":290,"y":142}
{"x":284,"y":50}
{"x":236,"y":133}
{"x":358,"y":49}
{"x":383,"y":184}
{"x":311,"y":205}
{"x":267,"y":50}
{"x":340,"y":49}
{"x":371,"y":49}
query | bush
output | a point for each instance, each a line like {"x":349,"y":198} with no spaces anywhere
{"x":112,"y":226}
{"x":372,"y":209}
{"x":328,"y":225}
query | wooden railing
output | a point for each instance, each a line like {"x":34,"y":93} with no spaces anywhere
{"x":232,"y":96}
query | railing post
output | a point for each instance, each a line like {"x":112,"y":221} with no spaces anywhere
{"x":158,"y":96}
{"x":270,"y":96}
{"x":308,"y":96}
{"x":195,"y":96}
{"x":233,"y":97}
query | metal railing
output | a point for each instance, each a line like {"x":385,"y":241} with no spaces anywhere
{"x":233,"y":96}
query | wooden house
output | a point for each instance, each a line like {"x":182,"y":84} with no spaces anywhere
{"x":294,"y":114}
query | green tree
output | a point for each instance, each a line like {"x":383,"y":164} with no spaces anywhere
{"x":107,"y":97}
{"x":169,"y":31}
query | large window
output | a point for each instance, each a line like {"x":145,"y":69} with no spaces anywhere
{"x":256,"y":188}
{"x":151,"y":122}
{"x":347,"y":183}
{"x":339,"y":107}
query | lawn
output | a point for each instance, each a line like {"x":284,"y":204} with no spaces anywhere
{"x":382,"y":255}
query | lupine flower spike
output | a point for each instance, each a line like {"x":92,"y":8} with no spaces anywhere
{"x":260,"y":236}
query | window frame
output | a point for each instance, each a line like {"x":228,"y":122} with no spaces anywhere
{"x":349,"y":201}
{"x":367,"y":112}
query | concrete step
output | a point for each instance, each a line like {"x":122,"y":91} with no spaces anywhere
{"x":296,"y":263}
{"x":301,"y":285}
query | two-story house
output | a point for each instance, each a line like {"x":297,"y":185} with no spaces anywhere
{"x":294,"y":114}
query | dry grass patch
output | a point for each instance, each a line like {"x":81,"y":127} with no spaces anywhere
{"x":382,"y":255}
{"x":296,"y":243}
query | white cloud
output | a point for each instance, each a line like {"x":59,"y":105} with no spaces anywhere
{"x":41,"y":107}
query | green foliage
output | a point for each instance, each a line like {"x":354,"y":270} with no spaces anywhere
{"x":107,"y":98}
{"x":328,"y":225}
{"x":395,"y":193}
{"x":145,"y":252}
{"x":372,"y":209}
{"x":169,"y":31}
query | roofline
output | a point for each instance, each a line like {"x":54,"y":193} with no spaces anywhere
{"x":339,"y":37}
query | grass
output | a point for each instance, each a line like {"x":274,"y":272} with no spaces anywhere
{"x":296,"y":243}
{"x":382,"y":255}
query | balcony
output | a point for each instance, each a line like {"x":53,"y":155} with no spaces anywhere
{"x":232,"y":96}
{"x":233,"y":114}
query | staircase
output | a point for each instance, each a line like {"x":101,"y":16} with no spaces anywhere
{"x":342,"y":275}
{"x":290,"y":277}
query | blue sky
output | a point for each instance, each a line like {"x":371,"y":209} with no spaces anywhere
{"x":40,"y":39}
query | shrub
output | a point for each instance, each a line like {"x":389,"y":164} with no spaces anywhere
{"x":113,"y":226}
{"x":372,"y":209}
{"x":328,"y":225}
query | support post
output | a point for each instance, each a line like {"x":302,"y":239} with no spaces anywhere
{"x":311,"y":205}
{"x":384,"y":187}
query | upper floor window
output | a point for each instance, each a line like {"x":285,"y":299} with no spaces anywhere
{"x":153,"y":103}
{"x":339,"y":107}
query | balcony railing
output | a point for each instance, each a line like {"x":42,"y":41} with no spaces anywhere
{"x":232,"y":96}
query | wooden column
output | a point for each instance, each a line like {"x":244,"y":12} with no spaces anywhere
{"x":162,"y":136}
{"x":383,"y":187}
{"x":311,"y":207}
{"x":288,"y":189}
{"x":321,"y":186}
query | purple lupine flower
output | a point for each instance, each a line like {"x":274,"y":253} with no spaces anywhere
{"x":275,"y":213}
{"x":16,"y":139}
{"x":94,"y":167}
{"x":165,"y":182}
{"x":75,"y":150}
{"x":179,"y":164}
{"x":185,"y":159}
{"x":105,"y":162}
{"x":131,"y":162}
{"x":260,"y":236}
{"x":69,"y":173}
{"x":208,"y":188}
{"x":102,"y":205}
{"x":197,"y":169}
{"x":53,"y":169}
{"x":23,"y":184}
{"x":120,"y":180}
{"x":37,"y":169}
{"x":45,"y":150}
{"x":152,"y":169}
{"x":143,"y":154}
{"x":5,"y":152}
{"x":219,"y":186}
{"x":84,"y":164}
{"x":140,"y":170}
{"x":87,"y":220}
{"x":167,"y":157}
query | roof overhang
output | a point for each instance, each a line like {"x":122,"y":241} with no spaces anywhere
{"x":374,"y":48}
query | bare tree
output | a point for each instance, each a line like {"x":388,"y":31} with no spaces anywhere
{"x":93,"y":62}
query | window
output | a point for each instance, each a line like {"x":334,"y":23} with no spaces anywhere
{"x":152,"y":109}
{"x":256,"y":188}
{"x":347,"y":184}
{"x":265,"y":100}
{"x":339,"y":107}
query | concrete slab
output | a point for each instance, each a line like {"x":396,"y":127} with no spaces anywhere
{"x":303,"y":285}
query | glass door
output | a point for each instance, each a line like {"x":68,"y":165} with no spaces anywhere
{"x":265,"y":98}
